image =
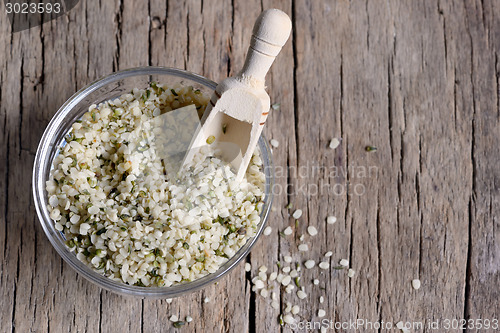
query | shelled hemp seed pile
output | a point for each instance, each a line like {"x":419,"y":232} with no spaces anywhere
{"x":120,"y":213}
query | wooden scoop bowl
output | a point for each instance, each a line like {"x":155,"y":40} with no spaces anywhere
{"x":240,"y":105}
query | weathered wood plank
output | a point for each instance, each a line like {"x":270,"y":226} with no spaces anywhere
{"x":8,"y":141}
{"x":333,"y":101}
{"x":430,"y":199}
{"x":483,"y":271}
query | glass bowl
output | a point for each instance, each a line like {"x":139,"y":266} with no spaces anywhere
{"x":101,"y":90}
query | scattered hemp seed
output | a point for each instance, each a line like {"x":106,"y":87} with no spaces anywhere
{"x":189,"y":319}
{"x":288,"y":231}
{"x":344,"y":262}
{"x":370,"y":148}
{"x":312,"y":230}
{"x":324,"y":265}
{"x":174,"y":318}
{"x":206,"y":300}
{"x":303,"y":248}
{"x":263,"y":269}
{"x":334,"y":143}
{"x":274,"y":143}
{"x":329,"y":254}
{"x":267,"y":231}
{"x":289,"y":319}
{"x":297,"y":214}
{"x":321,"y":299}
{"x":288,"y":259}
{"x":331,"y":219}
{"x":309,"y":264}
{"x":286,"y":280}
{"x":248,"y":267}
{"x":301,"y":294}
{"x":276,"y":106}
{"x":416,"y":284}
{"x":321,"y":313}
{"x":316,"y":282}
{"x":259,"y":284}
{"x":351,"y":273}
{"x":295,"y":309}
{"x":286,"y":269}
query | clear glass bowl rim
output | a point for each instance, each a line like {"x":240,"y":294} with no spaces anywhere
{"x":43,"y":161}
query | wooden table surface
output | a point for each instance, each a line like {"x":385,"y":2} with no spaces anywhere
{"x":419,"y":80}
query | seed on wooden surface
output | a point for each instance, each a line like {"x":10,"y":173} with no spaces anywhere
{"x":331,"y":219}
{"x":288,"y":319}
{"x":324,"y":265}
{"x":309,"y":264}
{"x":303,"y":248}
{"x":297,"y":214}
{"x":334,"y":143}
{"x":301,"y":294}
{"x":312,"y":230}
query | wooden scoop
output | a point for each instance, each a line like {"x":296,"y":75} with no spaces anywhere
{"x":239,"y":106}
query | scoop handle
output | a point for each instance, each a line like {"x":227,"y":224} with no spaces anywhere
{"x":270,"y":33}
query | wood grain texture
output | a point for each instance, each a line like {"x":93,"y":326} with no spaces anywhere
{"x":419,"y":80}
